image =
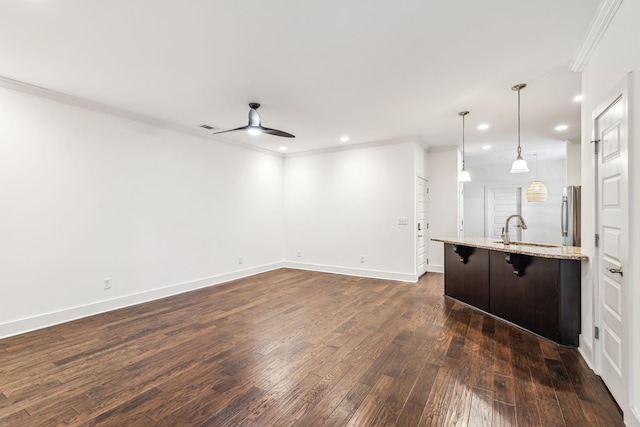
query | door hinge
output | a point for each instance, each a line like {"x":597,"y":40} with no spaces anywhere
{"x":597,"y":333}
{"x":595,"y":146}
{"x":427,"y":190}
{"x":596,"y":239}
{"x":427,"y":226}
{"x":427,"y":260}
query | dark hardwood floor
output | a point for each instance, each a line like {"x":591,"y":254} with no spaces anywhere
{"x":298,"y":348}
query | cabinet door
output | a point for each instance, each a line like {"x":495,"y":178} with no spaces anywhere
{"x":466,"y":275}
{"x":530,"y":300}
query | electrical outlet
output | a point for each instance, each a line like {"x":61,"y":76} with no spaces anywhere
{"x":299,"y":254}
{"x":239,"y":260}
{"x":362,"y":259}
{"x":107,"y":283}
{"x":403,"y":220}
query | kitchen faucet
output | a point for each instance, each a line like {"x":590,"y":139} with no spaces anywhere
{"x":505,"y":229}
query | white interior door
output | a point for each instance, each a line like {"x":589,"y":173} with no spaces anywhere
{"x":500,"y":203}
{"x":612,"y":225}
{"x":422,"y":225}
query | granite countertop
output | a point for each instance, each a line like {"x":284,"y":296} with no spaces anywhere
{"x":525,"y":248}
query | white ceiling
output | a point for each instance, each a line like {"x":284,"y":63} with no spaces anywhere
{"x":372,"y":70}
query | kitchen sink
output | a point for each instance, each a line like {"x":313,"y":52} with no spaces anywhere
{"x":539,"y":245}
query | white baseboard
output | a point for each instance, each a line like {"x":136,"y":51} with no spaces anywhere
{"x":348,"y":271}
{"x":21,"y":326}
{"x":632,"y":418}
{"x":586,"y":350}
{"x":432,"y":268}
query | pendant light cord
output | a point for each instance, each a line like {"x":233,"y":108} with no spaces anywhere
{"x":519,"y":149}
{"x":518,"y":87}
{"x":463,"y":141}
{"x":463,"y":113}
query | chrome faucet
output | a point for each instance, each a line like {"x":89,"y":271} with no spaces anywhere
{"x":505,"y":229}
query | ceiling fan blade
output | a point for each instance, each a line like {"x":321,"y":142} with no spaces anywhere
{"x":276,"y":132}
{"x":232,"y":130}
{"x":254,"y":127}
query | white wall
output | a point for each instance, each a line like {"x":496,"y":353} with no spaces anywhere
{"x":341,"y":205}
{"x":87,"y":196}
{"x":542,"y":218}
{"x":574,"y":163}
{"x":442,"y":173}
{"x":616,"y":55}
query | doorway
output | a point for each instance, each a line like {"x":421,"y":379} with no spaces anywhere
{"x":422,"y":194}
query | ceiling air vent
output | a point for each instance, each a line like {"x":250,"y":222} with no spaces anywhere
{"x":207,"y":127}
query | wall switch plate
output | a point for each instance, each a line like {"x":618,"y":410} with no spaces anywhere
{"x":239,"y":260}
{"x":107,"y":283}
{"x":403,"y":220}
{"x":299,"y":254}
{"x":362,"y":258}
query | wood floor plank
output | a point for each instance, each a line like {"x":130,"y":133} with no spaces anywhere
{"x":370,"y":406}
{"x":400,"y":388}
{"x":502,"y":354}
{"x":481,"y":412}
{"x":449,"y":402}
{"x":589,"y":389}
{"x":348,"y":405}
{"x":293,"y":347}
{"x":504,"y":415}
{"x":504,"y":389}
{"x":550,"y":414}
{"x":572,"y":411}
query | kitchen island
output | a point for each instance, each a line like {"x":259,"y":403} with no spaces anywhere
{"x":534,"y":286}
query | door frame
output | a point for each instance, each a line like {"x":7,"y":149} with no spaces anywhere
{"x":425,"y":182}
{"x":621,"y":91}
{"x":487,"y":208}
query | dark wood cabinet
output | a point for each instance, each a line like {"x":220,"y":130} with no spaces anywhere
{"x":529,"y":300}
{"x":467,"y":275}
{"x":539,"y":294}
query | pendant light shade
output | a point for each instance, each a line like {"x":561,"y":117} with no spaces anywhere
{"x":537,"y":192}
{"x":519,"y":164}
{"x":463,"y":176}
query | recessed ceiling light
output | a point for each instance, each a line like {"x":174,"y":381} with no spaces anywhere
{"x":483,"y":126}
{"x":486,"y":147}
{"x":283,"y":148}
{"x":578,"y":98}
{"x":344,"y":138}
{"x":561,"y":127}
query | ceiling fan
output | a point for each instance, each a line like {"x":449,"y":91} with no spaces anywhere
{"x":254,"y":127}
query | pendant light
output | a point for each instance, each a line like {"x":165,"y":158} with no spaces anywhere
{"x":463,"y":176}
{"x":536,"y":192}
{"x":519,"y":164}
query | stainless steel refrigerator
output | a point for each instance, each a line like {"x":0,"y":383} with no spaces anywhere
{"x":570,"y":216}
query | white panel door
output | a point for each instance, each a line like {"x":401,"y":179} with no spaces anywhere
{"x":611,"y":348}
{"x":500,"y":203}
{"x":422,"y":225}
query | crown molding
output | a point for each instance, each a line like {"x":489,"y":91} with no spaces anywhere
{"x":359,"y":146}
{"x":605,"y":13}
{"x":86,"y":104}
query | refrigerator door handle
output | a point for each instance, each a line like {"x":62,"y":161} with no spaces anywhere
{"x":564,"y":216}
